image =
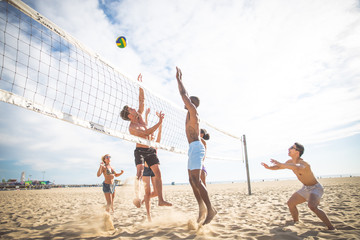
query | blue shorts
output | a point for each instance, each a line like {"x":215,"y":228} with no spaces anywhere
{"x":109,"y":188}
{"x":148,"y":172}
{"x":196,"y":155}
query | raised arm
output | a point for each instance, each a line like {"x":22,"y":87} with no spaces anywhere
{"x":158,"y":139}
{"x":118,"y":174}
{"x":144,"y":133}
{"x":270,"y":167}
{"x":156,"y":126}
{"x":100,"y":170}
{"x":147,"y":115}
{"x":184,"y":95}
{"x":141,"y":97}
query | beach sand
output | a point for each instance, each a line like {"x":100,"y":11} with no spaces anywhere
{"x":79,"y":213}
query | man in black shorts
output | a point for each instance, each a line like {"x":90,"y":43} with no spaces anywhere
{"x":144,"y":153}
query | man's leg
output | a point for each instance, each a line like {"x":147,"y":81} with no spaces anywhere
{"x":153,"y":193}
{"x":139,"y":172}
{"x":158,"y":185}
{"x":193,"y":179}
{"x":294,"y":200}
{"x":313,"y":205}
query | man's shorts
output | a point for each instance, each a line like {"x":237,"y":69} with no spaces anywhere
{"x":148,"y":172}
{"x":316,"y":189}
{"x":109,"y":188}
{"x":196,"y":155}
{"x":146,"y":155}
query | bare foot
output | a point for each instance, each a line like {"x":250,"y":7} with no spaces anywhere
{"x":331,"y":228}
{"x":137,"y":202}
{"x":211,"y":214}
{"x":164,"y":203}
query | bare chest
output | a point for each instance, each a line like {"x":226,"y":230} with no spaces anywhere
{"x":138,"y":126}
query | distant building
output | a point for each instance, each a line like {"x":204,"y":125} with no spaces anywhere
{"x":22,"y":179}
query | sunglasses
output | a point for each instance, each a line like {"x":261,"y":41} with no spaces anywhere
{"x":292,"y":147}
{"x":108,"y":157}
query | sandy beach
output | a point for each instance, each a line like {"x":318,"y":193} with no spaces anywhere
{"x":78,"y":213}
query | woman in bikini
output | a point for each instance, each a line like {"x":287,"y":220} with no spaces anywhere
{"x":109,"y":183}
{"x":204,"y":136}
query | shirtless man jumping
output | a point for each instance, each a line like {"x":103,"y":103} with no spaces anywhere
{"x":144,"y":153}
{"x":312,"y":189}
{"x":196,"y":153}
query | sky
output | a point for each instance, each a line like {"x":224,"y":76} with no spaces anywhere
{"x":276,"y":71}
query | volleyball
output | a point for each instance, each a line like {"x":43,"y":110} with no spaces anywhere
{"x":121,"y":42}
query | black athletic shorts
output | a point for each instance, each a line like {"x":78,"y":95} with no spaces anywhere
{"x":147,"y":155}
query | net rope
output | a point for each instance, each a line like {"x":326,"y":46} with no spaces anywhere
{"x":46,"y":70}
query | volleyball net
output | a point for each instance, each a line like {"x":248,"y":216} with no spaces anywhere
{"x":46,"y":70}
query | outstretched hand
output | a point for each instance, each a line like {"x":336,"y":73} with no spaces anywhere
{"x":265,"y":165}
{"x":140,"y":78}
{"x":273,"y":161}
{"x":147,"y":111}
{"x":161,"y":115}
{"x":178,"y":74}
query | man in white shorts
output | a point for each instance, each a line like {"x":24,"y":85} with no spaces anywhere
{"x":316,"y":189}
{"x":312,"y":190}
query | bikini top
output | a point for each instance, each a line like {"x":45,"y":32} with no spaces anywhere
{"x":109,"y":171}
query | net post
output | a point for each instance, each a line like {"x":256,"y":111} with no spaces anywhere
{"x":247,"y":165}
